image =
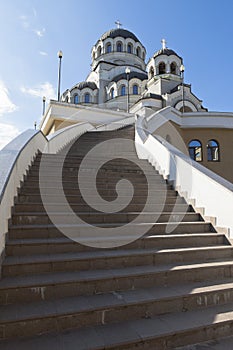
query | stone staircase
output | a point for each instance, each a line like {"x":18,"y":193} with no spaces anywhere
{"x":162,"y":291}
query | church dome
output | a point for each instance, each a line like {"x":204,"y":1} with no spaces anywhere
{"x":119,"y":47}
{"x":119,"y":32}
{"x":167,"y":52}
{"x":86,"y":84}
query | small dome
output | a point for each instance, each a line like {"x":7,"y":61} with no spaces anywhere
{"x":167,"y":52}
{"x":113,"y":33}
{"x":86,"y":84}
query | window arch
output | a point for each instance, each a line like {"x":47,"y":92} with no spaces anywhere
{"x":162,"y":68}
{"x":87,"y":97}
{"x":151,"y":72}
{"x":135,"y":89}
{"x":108,"y":48}
{"x":138,"y":52}
{"x":112,"y":93}
{"x":76,"y":99}
{"x":123,"y":90}
{"x":173,"y":68}
{"x":130,"y":48}
{"x":119,"y":46}
{"x":213,"y":151}
{"x":195,"y":150}
{"x":99,"y":51}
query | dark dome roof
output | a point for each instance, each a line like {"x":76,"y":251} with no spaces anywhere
{"x":167,"y":52}
{"x":141,"y":76}
{"x":113,"y":33}
{"x":86,"y":84}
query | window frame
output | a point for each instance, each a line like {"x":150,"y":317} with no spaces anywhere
{"x":164,"y":70}
{"x":119,"y":44}
{"x":213,"y":149}
{"x":135,"y":86}
{"x":123,"y":89}
{"x":76,"y":96}
{"x":194,"y":148}
{"x":87,"y":94}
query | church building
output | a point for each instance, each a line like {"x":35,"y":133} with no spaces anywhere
{"x":123,"y":83}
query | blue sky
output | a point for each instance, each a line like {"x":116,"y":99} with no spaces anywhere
{"x":32,"y":32}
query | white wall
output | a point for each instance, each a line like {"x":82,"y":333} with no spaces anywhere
{"x":191,"y":179}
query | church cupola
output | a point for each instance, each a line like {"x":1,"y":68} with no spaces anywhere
{"x":165,"y":63}
{"x":119,"y":46}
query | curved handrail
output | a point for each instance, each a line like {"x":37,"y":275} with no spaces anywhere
{"x":15,"y":159}
{"x":193,"y":180}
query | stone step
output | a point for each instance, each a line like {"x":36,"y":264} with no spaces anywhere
{"x":74,"y":163}
{"x":219,"y":343}
{"x":79,"y":208}
{"x":113,"y":179}
{"x":93,"y":166}
{"x":63,"y":244}
{"x":38,"y":318}
{"x":106,"y":192}
{"x":48,"y":286}
{"x":101,"y":218}
{"x":102,"y":176}
{"x":50,"y":231}
{"x":163,"y":332}
{"x":111,"y":259}
{"x":102,"y":185}
{"x":159,"y":198}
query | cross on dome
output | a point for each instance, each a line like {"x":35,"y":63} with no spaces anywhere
{"x":118,"y":23}
{"x":163,"y":41}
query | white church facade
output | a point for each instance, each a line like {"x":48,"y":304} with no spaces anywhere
{"x":121,"y":84}
{"x":119,"y":72}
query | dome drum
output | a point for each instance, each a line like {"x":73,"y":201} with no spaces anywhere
{"x":116,"y":42}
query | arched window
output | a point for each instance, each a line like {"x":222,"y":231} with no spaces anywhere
{"x":173,"y":67}
{"x":119,"y":46}
{"x":143,"y":56}
{"x":138,"y":51}
{"x":112,"y":93}
{"x":129,"y":48}
{"x":87,"y":97}
{"x":99,"y":51}
{"x":135,"y":89}
{"x":195,"y":150}
{"x":212,"y":151}
{"x":162,"y":68}
{"x":76,"y":99}
{"x":151,"y":72}
{"x":123,"y":90}
{"x":108,"y":48}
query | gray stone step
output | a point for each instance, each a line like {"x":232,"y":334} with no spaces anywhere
{"x":46,"y":231}
{"x":225,"y":343}
{"x":78,"y":208}
{"x":121,"y":165}
{"x":110,"y":259}
{"x":171,"y":198}
{"x":101,"y":218}
{"x":160,"y":333}
{"x":30,"y":246}
{"x":48,"y":286}
{"x":77,"y":312}
{"x":105,"y":192}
